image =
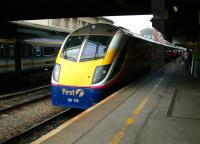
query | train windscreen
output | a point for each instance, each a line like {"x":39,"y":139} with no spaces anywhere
{"x":84,"y":48}
{"x":72,"y":48}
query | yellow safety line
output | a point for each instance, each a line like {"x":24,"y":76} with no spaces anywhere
{"x":140,"y":106}
{"x":131,"y":120}
{"x":116,"y":139}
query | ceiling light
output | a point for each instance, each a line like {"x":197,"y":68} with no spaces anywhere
{"x":175,"y":8}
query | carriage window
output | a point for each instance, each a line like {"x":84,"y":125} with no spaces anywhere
{"x":48,"y":51}
{"x":38,"y":51}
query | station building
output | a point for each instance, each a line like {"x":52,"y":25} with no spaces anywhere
{"x":70,"y":23}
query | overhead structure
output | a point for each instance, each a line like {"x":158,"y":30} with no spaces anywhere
{"x":178,"y":20}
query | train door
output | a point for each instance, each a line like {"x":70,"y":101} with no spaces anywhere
{"x":27,"y":60}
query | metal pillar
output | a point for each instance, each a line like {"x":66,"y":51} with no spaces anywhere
{"x":18,"y":59}
{"x":160,"y":15}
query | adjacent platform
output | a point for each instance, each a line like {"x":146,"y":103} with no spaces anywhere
{"x":162,"y":108}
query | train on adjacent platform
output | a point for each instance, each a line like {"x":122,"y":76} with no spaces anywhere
{"x":27,"y":54}
{"x":98,"y":57}
{"x":37,"y":46}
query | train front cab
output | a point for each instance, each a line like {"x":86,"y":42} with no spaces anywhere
{"x":81,"y":67}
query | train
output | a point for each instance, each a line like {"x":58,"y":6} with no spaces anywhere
{"x":34,"y":47}
{"x":96,"y":58}
{"x":27,"y":54}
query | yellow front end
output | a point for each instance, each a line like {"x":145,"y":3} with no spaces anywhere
{"x":77,"y":73}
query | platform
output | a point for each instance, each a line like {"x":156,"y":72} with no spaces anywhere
{"x":161,"y":108}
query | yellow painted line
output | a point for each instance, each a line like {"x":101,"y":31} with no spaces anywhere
{"x":122,"y":131}
{"x":119,"y":135}
{"x":140,"y":106}
{"x":130,"y":121}
{"x":58,"y":129}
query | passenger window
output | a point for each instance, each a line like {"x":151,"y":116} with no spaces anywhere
{"x":49,"y":51}
{"x":38,"y":51}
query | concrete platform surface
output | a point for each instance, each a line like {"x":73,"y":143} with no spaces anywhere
{"x":160,"y":108}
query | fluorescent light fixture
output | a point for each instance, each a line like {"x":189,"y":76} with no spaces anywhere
{"x":175,"y":8}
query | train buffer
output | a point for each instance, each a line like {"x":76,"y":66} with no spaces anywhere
{"x":161,"y":108}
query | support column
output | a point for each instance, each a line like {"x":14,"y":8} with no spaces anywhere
{"x":18,"y":59}
{"x":160,"y":15}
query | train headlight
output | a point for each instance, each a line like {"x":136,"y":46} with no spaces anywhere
{"x":56,"y":72}
{"x":100,"y":73}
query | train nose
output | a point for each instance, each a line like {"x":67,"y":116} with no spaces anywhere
{"x":78,"y":73}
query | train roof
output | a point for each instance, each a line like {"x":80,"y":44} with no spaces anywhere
{"x":97,"y":28}
{"x":150,"y":40}
{"x":41,"y":27}
{"x":128,"y":32}
{"x":107,"y":29}
{"x":138,"y":36}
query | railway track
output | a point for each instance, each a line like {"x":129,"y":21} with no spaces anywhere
{"x":36,"y":131}
{"x":11,"y":101}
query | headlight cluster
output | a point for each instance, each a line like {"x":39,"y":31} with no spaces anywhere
{"x":56,"y":72}
{"x":100,"y":73}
